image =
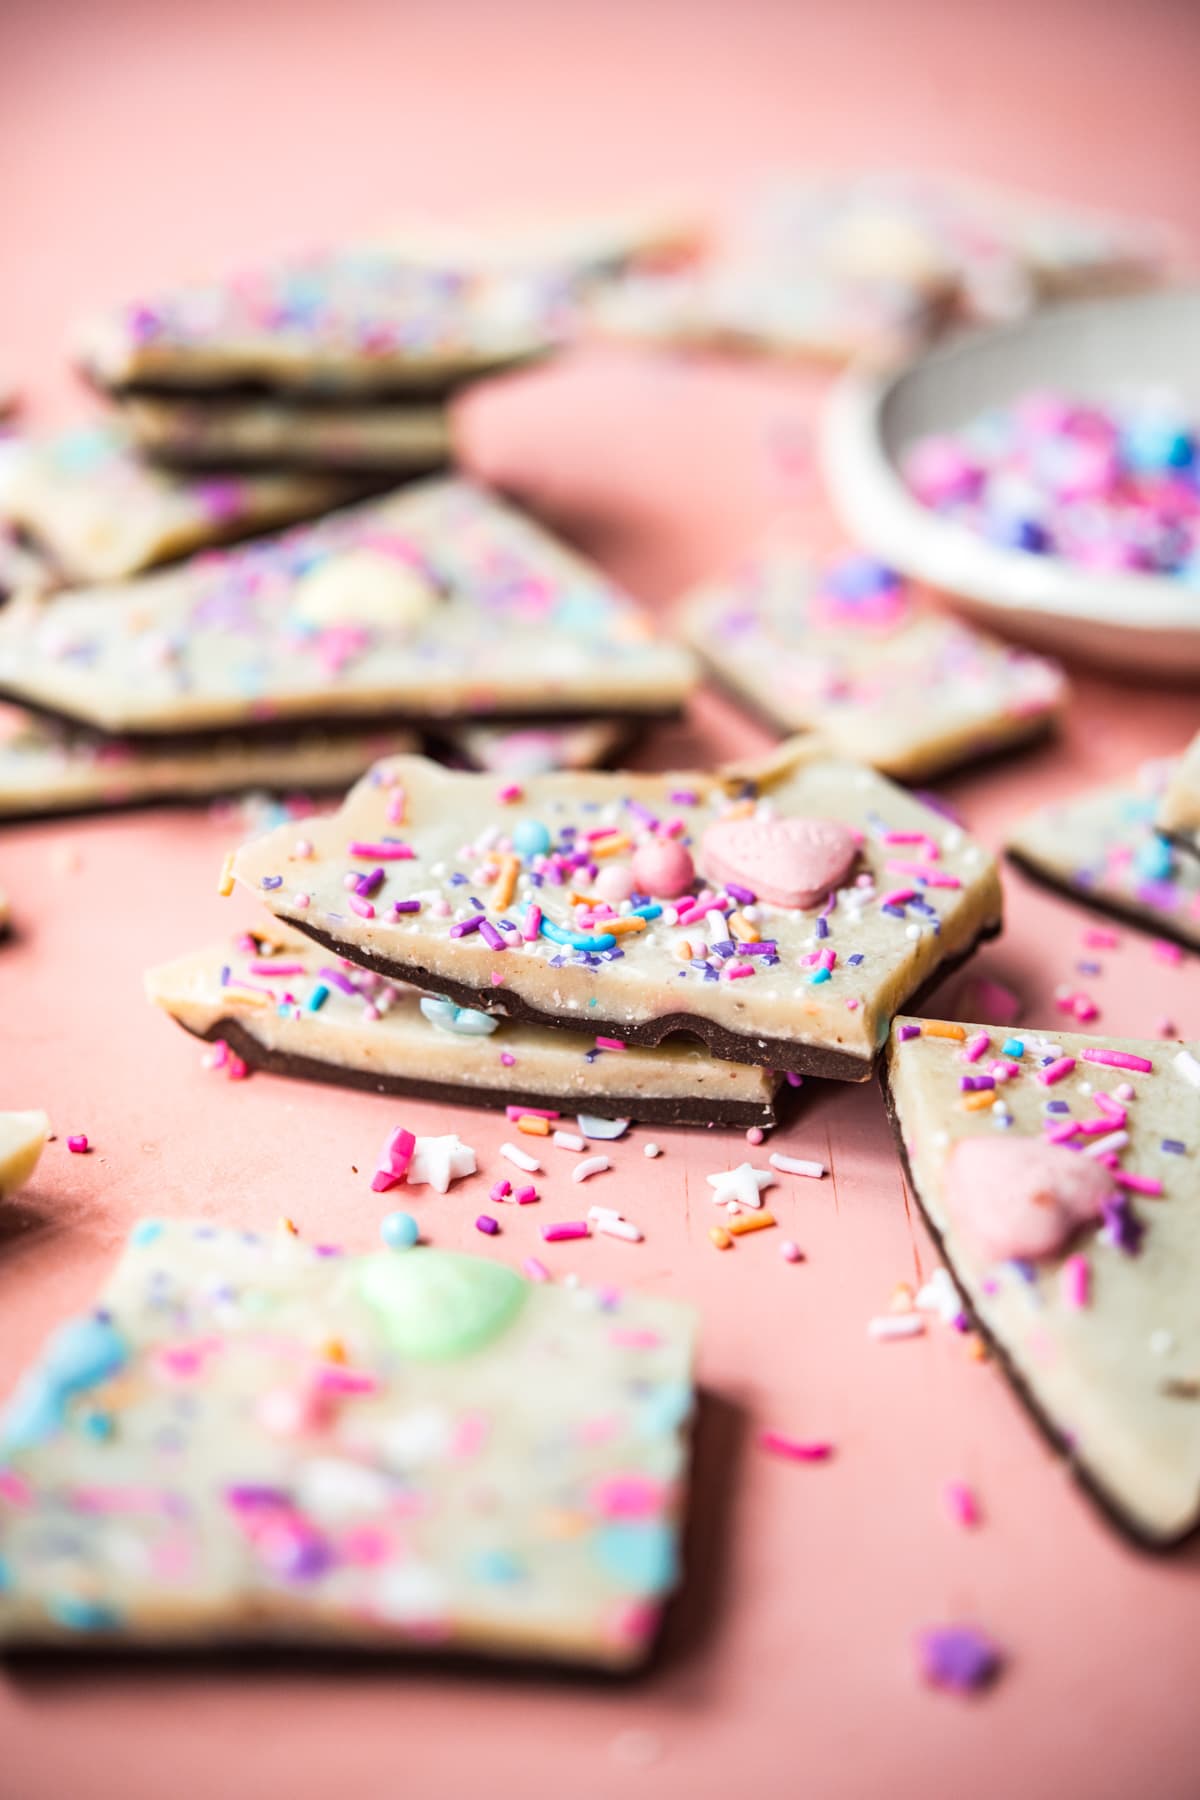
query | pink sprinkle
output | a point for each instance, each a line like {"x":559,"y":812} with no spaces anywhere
{"x":1167,"y":952}
{"x":605,"y":1043}
{"x":924,"y":872}
{"x":15,"y":1489}
{"x":529,"y":1112}
{"x":898,"y":897}
{"x":382,"y":852}
{"x":1098,"y":938}
{"x":1098,"y":1127}
{"x":1139,"y":1184}
{"x":927,"y":844}
{"x":1056,"y":1070}
{"x":961,"y":1503}
{"x":514,"y":791}
{"x":267,"y":967}
{"x":754,"y":1135}
{"x":737,"y":971}
{"x":508,"y":1059}
{"x":535,"y":1270}
{"x":363,"y":908}
{"x":974,"y":1047}
{"x":1063,"y":1132}
{"x":501,"y":1191}
{"x":1085,"y":1008}
{"x":78,"y":1145}
{"x":791,"y":1252}
{"x":794,"y":1448}
{"x":1075,"y":1282}
{"x":526,"y":1195}
{"x":828,"y":959}
{"x":531,"y":925}
{"x":489,"y":1226}
{"x":572,"y":1228}
{"x":1120,"y":1059}
{"x":632,"y":1337}
{"x":1108,"y":1105}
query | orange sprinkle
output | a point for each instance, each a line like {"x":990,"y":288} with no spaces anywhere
{"x":977,"y":1350}
{"x":743,"y":929}
{"x":622,"y":927}
{"x":608,"y":846}
{"x":244,"y":996}
{"x":333,"y":1350}
{"x":754,"y":1221}
{"x":225,"y":885}
{"x":290,"y":1225}
{"x":741,"y":810}
{"x":720,"y":1237}
{"x":937,"y":1028}
{"x":978,"y":1102}
{"x":506,"y":883}
{"x":683,"y":950}
{"x":532,"y":1126}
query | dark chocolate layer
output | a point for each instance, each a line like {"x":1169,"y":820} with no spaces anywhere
{"x":1162,"y":927}
{"x":700,"y":1109}
{"x":783,"y":1054}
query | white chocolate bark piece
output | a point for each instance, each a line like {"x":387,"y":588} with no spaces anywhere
{"x":260,"y":1440}
{"x":496,"y":895}
{"x":283,"y":1003}
{"x":1095,"y":1319}
{"x":850,"y":652}
{"x":353,"y":320}
{"x":1179,"y":806}
{"x":97,"y":512}
{"x":47,"y":768}
{"x":436,"y":602}
{"x":1105,"y":849}
{"x":247,"y":432}
{"x":22,"y":1139}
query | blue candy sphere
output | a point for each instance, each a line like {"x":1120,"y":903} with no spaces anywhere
{"x":530,"y":838}
{"x":399,"y":1231}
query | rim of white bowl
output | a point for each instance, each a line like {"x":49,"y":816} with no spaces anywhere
{"x":876,"y":507}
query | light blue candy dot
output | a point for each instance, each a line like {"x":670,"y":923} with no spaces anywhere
{"x":1013,"y":1047}
{"x":145,"y":1232}
{"x":530,"y":838}
{"x":399,"y":1231}
{"x":639,"y":1557}
{"x":1155,"y":860}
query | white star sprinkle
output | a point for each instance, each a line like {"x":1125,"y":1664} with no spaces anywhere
{"x":743,"y":1185}
{"x":437,"y":1161}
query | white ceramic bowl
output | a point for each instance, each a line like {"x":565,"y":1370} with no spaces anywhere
{"x":1093,"y":349}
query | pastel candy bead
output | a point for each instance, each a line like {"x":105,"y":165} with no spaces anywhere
{"x":664,"y":867}
{"x":399,"y":1231}
{"x":1019,"y":1197}
{"x":787,"y":862}
{"x":616,"y":882}
{"x":530,"y":838}
{"x":434,"y":1304}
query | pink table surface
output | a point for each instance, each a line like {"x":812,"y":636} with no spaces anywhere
{"x":138,"y":142}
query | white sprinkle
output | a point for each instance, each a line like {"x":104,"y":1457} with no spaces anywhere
{"x":1188,"y":1067}
{"x":939,"y":1295}
{"x":651,"y":1150}
{"x":895,"y":1325}
{"x":612,"y":1225}
{"x":591,"y":1165}
{"x":1115,"y":1140}
{"x":568,"y":1140}
{"x":519,"y":1160}
{"x":795,"y":1165}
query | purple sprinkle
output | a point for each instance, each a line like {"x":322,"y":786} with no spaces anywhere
{"x":462,"y":926}
{"x":682,"y":797}
{"x":489,"y":1226}
{"x":974,"y":1084}
{"x":406,"y":906}
{"x":743,"y":895}
{"x":793,"y":1080}
{"x":957,"y":1657}
{"x":1122,"y":1229}
{"x":852,"y":962}
{"x":247,"y":1497}
{"x":893,"y":912}
{"x":226,"y":974}
{"x":1057,"y":1106}
{"x":1174,"y":1147}
{"x":272,"y":881}
{"x":477,"y":904}
{"x":904,"y":1032}
{"x":491,"y":936}
{"x":822,"y":927}
{"x":457,"y":879}
{"x":342,"y":982}
{"x":367,"y":885}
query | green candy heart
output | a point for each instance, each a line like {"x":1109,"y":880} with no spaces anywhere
{"x":434,"y":1304}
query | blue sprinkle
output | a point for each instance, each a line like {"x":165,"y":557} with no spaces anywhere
{"x":639,"y":1556}
{"x":1015,"y":1048}
{"x":317,"y":998}
{"x":272,"y":881}
{"x":1057,"y":1106}
{"x":77,"y":1614}
{"x":145,"y":1232}
{"x":852,"y":962}
{"x":817,"y":977}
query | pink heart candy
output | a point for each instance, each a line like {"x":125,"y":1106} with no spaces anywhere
{"x":1019,"y":1197}
{"x":787,"y":862}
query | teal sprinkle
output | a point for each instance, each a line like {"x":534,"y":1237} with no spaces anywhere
{"x":498,"y":1566}
{"x":1155,"y":860}
{"x":98,"y":1425}
{"x":145,"y":1232}
{"x":317,"y":998}
{"x":578,"y":940}
{"x":650,"y":911}
{"x":640,"y":1557}
{"x":817,"y":977}
{"x":1012,"y":1047}
{"x":76,"y":1614}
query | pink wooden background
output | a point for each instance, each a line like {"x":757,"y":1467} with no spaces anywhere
{"x":140,"y":141}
